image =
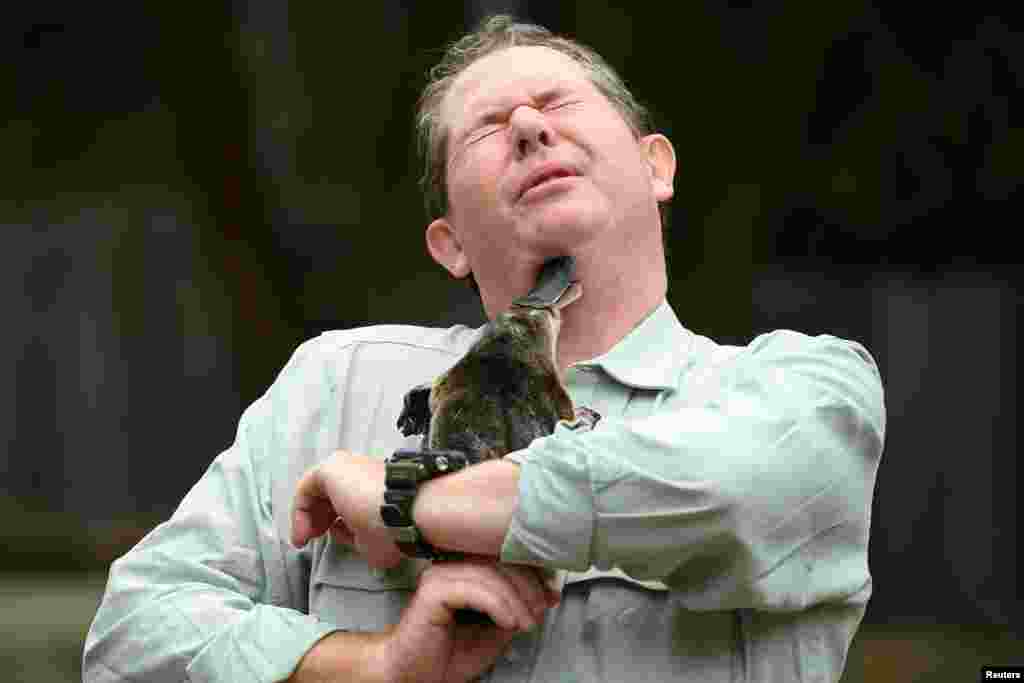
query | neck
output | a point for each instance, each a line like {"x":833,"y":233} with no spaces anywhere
{"x":617,"y":296}
{"x":612,"y":305}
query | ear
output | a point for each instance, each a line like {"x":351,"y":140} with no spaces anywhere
{"x":661,"y":158}
{"x":444,"y":247}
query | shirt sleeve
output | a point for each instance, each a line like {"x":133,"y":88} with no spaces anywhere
{"x":213,"y":594}
{"x":754,"y":495}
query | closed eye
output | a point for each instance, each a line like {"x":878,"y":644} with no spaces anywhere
{"x":487,"y":131}
{"x":561,"y":105}
{"x":491,"y":127}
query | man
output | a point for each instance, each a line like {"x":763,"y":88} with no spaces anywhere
{"x":714,"y":525}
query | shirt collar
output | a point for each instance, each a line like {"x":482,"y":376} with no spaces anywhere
{"x":652,"y":355}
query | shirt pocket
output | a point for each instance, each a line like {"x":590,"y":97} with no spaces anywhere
{"x":626,"y":625}
{"x":346,"y":592}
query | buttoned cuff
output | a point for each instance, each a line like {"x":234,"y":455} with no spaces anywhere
{"x":553,"y":524}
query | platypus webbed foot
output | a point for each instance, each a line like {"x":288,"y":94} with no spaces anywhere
{"x":585,"y":420}
{"x":415,"y":417}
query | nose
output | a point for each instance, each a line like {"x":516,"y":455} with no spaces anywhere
{"x":531,"y":130}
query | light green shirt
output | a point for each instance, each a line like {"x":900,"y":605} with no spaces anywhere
{"x":713,"y":527}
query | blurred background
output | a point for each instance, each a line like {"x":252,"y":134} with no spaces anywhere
{"x":191,"y":189}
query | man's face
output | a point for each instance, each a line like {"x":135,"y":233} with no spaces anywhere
{"x":540,"y":163}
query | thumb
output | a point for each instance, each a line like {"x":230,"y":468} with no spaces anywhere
{"x":312,"y":510}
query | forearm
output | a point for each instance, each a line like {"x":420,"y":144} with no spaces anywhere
{"x":726,"y":500}
{"x":167,"y":617}
{"x":344,"y":656}
{"x":469,"y":511}
{"x":206,"y":596}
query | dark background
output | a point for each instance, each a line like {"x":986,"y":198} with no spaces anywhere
{"x":189,"y":190}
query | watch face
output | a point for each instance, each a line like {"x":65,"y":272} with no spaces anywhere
{"x":393,"y":516}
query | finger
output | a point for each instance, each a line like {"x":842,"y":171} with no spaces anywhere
{"x":480,"y":648}
{"x":440,"y":582}
{"x":312,"y":511}
{"x":380,"y":553}
{"x":484,"y":643}
{"x":341,"y":533}
{"x":529,"y":586}
{"x":486,"y":579}
{"x":530,"y":582}
{"x":553,"y":582}
{"x":500,"y":605}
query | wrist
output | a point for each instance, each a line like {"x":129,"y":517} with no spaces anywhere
{"x":406,"y":471}
{"x":469,"y":511}
{"x":345,"y":655}
{"x":381,"y":659}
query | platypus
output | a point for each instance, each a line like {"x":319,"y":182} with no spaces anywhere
{"x":506,"y":390}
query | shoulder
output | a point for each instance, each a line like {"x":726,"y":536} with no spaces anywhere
{"x":839,"y":370}
{"x":791,"y":340}
{"x":827,"y":361}
{"x":436,"y":339}
{"x":379,"y":342}
{"x":787,"y":347}
{"x":781,"y":344}
{"x":364,"y":362}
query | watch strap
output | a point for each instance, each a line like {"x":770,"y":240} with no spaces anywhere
{"x":405,"y":470}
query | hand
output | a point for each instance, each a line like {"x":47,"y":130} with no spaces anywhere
{"x":428,"y":645}
{"x":344,"y":494}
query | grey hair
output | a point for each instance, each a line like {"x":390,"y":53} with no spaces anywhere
{"x":494,"y":34}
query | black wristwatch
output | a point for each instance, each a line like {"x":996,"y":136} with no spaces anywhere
{"x":405,"y":470}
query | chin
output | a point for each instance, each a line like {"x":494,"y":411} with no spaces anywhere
{"x":565,"y":226}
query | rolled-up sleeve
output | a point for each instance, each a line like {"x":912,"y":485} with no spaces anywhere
{"x":754,"y":494}
{"x":207,"y":596}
